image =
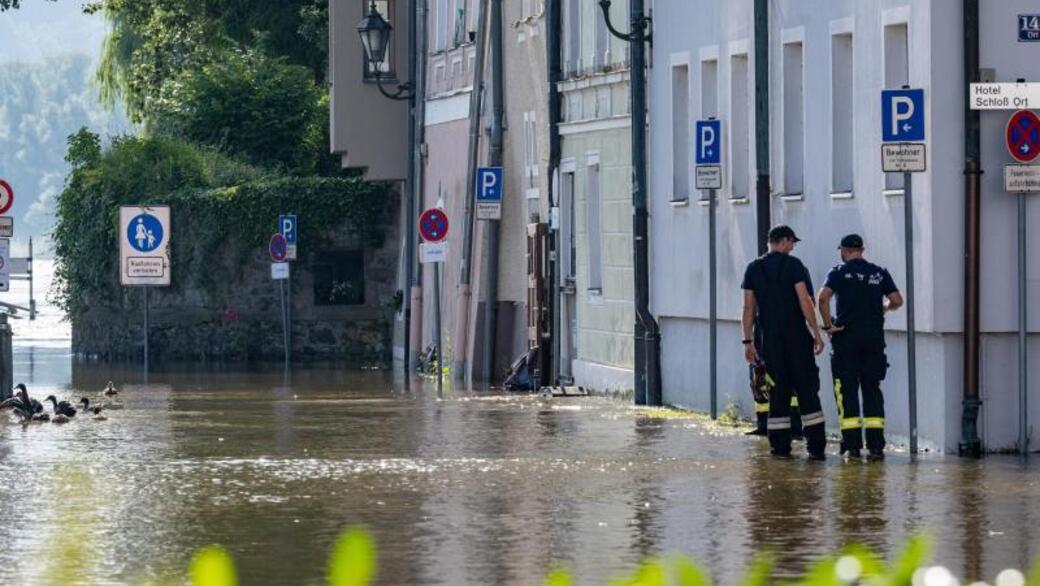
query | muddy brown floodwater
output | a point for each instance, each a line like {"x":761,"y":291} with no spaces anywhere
{"x":469,"y":489}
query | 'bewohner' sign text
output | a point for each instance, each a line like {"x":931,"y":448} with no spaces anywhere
{"x":1004,"y":96}
{"x":903,"y":157}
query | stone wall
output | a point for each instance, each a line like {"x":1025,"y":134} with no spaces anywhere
{"x":232,"y":312}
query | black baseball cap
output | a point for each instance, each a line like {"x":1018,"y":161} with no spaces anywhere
{"x":778,"y":233}
{"x":852,"y":241}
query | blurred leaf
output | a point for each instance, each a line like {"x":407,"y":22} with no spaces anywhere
{"x":760,"y":571}
{"x":914,"y":555}
{"x":688,"y":573}
{"x":559,"y":577}
{"x":353,"y":561}
{"x":213,"y":566}
{"x":1033,"y":577}
{"x":650,"y":573}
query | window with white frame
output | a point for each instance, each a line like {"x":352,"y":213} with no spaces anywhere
{"x":593,"y":226}
{"x":601,"y":45}
{"x":842,"y":163}
{"x":897,"y":74}
{"x":441,"y":12}
{"x":530,"y":150}
{"x":739,"y":129}
{"x":459,"y":18}
{"x":709,"y":88}
{"x":573,"y":44}
{"x":794,"y":119}
{"x":680,"y":132}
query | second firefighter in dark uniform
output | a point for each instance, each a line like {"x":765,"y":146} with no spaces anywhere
{"x":865,"y":292}
{"x":778,"y":303}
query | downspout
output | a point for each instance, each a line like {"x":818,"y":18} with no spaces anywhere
{"x":412,"y":191}
{"x":461,"y":366}
{"x":554,"y":28}
{"x":494,"y":160}
{"x":970,"y":444}
{"x":415,"y":203}
{"x":762,"y":203}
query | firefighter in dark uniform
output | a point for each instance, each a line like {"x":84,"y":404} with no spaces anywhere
{"x":865,"y":292}
{"x":778,"y":303}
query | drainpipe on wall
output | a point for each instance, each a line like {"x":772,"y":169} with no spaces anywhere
{"x":462,"y":366}
{"x":419,"y":160}
{"x":970,"y":444}
{"x":550,"y":370}
{"x":494,"y":160}
{"x":762,"y":203}
{"x":413,"y":295}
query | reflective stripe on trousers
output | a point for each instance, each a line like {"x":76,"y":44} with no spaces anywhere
{"x":810,"y":419}
{"x":874,"y":422}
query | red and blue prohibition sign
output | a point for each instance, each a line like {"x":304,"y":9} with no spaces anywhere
{"x":433,"y":225}
{"x":1023,"y":136}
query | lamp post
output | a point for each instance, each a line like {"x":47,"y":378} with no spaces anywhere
{"x":647,"y":333}
{"x":375,"y":33}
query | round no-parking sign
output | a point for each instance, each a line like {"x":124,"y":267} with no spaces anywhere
{"x":1023,"y":136}
{"x":6,"y":196}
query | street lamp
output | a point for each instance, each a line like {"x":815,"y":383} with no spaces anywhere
{"x":375,"y":31}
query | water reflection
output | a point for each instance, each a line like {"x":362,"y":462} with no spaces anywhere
{"x":470,"y":489}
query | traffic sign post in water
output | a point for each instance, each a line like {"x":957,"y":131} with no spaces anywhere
{"x":902,"y":121}
{"x":708,"y":176}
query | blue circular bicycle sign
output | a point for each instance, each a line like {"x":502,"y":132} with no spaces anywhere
{"x":145,"y":232}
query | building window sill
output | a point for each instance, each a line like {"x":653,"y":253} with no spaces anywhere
{"x":792,"y":197}
{"x":893,"y":192}
{"x":679,"y":203}
{"x":842,"y":195}
{"x":740,"y":201}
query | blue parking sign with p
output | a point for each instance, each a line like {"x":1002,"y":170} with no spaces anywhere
{"x":902,"y":115}
{"x":489,"y":184}
{"x":287,"y":228}
{"x":708,"y":142}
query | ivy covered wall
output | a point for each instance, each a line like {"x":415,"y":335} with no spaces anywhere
{"x":222,"y":304}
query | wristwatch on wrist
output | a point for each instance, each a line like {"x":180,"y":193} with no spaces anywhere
{"x":746,"y":342}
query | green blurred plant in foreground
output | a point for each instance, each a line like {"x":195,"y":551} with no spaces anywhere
{"x":353,"y":563}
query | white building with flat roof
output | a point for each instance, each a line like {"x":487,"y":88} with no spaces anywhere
{"x":829,"y":60}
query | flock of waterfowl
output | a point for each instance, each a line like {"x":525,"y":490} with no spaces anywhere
{"x":29,"y":410}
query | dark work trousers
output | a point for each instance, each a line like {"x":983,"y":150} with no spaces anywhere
{"x":859,"y":364}
{"x":792,"y":366}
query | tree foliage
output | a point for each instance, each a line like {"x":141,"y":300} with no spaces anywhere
{"x":248,"y":105}
{"x":153,"y":42}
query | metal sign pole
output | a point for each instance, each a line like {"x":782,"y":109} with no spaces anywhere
{"x":1023,"y":375}
{"x":437,"y":325}
{"x":32,"y":300}
{"x":146,"y":333}
{"x":288,"y":314}
{"x":911,"y":341}
{"x":285,"y":329}
{"x":713,"y":317}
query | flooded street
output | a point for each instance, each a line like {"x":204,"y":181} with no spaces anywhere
{"x":471,"y":489}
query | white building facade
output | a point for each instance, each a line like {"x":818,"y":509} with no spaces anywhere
{"x":829,"y":61}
